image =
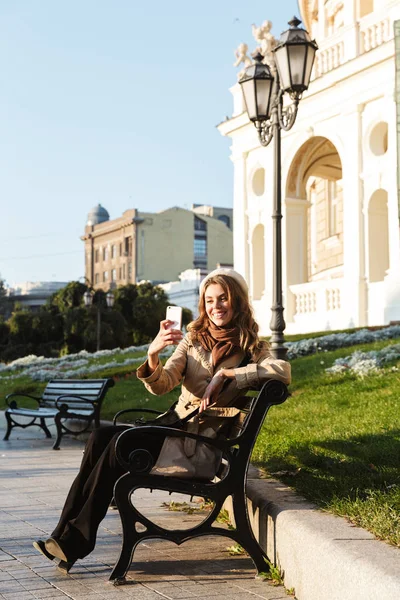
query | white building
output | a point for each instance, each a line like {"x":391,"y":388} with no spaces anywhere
{"x":340,"y":209}
{"x":185,"y":292}
{"x":34,"y":294}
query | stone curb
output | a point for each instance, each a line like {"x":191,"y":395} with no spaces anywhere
{"x":323,"y":557}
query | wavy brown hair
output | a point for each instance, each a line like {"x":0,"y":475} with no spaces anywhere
{"x":242,"y":315}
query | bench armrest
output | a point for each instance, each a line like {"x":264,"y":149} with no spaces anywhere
{"x":164,"y":432}
{"x":13,"y":403}
{"x":133,"y":410}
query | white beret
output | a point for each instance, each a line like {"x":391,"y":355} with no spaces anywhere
{"x":228,"y":273}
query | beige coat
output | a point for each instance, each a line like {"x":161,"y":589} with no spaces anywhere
{"x":191,"y":366}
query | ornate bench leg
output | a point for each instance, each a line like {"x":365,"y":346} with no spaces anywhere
{"x":9,"y":425}
{"x":130,"y":537}
{"x":56,"y":445}
{"x":245,"y":536}
{"x":124,"y":560}
{"x":45,"y":428}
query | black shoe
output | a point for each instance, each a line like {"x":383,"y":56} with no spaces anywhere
{"x":54,"y":548}
{"x":65,"y":566}
{"x":39,"y":545}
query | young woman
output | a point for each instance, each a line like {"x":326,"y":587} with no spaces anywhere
{"x":218,"y":360}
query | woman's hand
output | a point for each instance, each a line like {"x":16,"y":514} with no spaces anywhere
{"x":165,"y":337}
{"x":212,"y":390}
{"x":215,"y":386}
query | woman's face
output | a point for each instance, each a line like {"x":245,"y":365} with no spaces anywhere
{"x":218,"y":307}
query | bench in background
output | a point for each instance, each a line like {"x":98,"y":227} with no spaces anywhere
{"x":62,"y":399}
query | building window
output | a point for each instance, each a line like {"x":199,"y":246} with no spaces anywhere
{"x":120,"y":249}
{"x":123,"y":271}
{"x":331,"y":194}
{"x":120,"y":272}
{"x":96,"y":278}
{"x":200,"y":246}
{"x":105,"y":276}
{"x":96,"y":256}
{"x":129,"y":270}
{"x":199,"y":224}
{"x":113,"y":251}
{"x":225,"y":219}
{"x":114,"y":275}
{"x":105,"y":253}
{"x":128,"y":246}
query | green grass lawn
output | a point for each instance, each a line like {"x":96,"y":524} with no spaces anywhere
{"x":336,"y":440}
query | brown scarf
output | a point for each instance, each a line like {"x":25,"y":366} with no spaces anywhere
{"x":222,"y":342}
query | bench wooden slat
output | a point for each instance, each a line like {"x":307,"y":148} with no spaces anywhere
{"x":74,"y":386}
{"x":55,"y":396}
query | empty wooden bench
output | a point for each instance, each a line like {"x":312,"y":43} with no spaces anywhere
{"x":236,"y":449}
{"x":62,"y":399}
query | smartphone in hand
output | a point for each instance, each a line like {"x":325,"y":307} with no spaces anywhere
{"x":174,"y":313}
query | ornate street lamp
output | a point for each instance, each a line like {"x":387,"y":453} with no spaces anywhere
{"x":88,"y":298}
{"x":263,"y":91}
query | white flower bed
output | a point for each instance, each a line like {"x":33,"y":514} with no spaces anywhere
{"x":365,"y":363}
{"x":39,"y":368}
{"x":339,"y":340}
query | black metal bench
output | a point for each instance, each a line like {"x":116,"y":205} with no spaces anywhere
{"x":231,"y":481}
{"x":62,"y":399}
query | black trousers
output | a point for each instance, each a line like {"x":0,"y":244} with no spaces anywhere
{"x":92,"y":490}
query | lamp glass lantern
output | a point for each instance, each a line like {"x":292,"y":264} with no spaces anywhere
{"x":110,"y":299}
{"x":294,"y":57}
{"x":257,"y":83}
{"x":88,"y":298}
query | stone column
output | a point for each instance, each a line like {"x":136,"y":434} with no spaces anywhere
{"x":354,"y":299}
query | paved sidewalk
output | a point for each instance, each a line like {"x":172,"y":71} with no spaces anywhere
{"x":33,"y":485}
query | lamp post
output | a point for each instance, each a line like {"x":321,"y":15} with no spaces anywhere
{"x":88,"y":298}
{"x":263,"y":92}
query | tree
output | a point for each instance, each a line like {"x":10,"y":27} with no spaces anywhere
{"x":5,"y":301}
{"x":70,"y":296}
{"x":143,"y":306}
{"x":21,"y":326}
{"x":149,"y":309}
{"x":125,"y":299}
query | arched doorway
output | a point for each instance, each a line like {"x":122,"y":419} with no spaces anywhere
{"x":314,"y":235}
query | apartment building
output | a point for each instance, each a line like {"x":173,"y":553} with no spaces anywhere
{"x":155,"y":246}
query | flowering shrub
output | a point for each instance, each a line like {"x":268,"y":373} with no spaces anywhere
{"x":32,"y":360}
{"x":365,"y":363}
{"x":339,"y":340}
{"x":39,"y":368}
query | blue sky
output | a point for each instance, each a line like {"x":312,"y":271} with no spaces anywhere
{"x":112,"y":102}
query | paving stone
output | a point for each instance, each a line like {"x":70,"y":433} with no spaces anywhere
{"x":18,"y":596}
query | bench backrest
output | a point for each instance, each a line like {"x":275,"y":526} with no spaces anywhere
{"x":253,"y":410}
{"x":91,"y":389}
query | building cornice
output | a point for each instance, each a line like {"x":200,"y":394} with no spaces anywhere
{"x":107,"y":230}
